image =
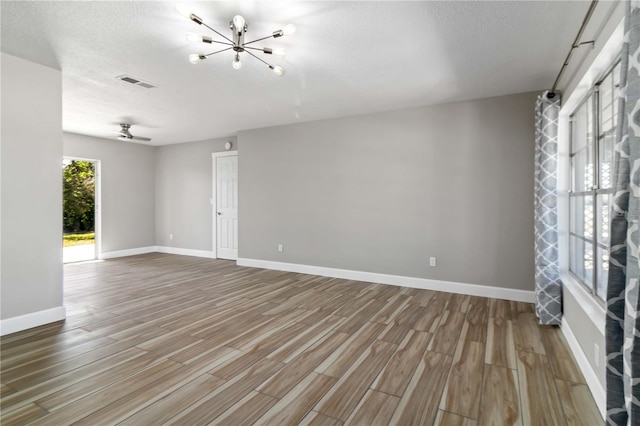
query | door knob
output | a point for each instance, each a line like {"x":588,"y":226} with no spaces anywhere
{"x":219,"y":214}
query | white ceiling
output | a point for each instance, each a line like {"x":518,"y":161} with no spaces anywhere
{"x":346,"y":58}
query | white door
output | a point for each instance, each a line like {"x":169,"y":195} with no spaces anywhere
{"x":226,"y":207}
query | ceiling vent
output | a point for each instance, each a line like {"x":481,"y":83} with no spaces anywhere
{"x":134,"y":80}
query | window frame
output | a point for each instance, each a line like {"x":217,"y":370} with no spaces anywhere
{"x":593,"y":96}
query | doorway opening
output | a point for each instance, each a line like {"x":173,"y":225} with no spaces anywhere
{"x":81,"y":213}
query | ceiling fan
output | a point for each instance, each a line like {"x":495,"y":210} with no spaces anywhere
{"x":125,"y":134}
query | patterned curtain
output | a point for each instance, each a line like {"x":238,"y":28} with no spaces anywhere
{"x":548,"y":284}
{"x":622,"y":322}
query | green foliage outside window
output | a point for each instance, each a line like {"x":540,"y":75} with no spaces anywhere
{"x":78,"y":187}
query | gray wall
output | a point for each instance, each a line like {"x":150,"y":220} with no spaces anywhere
{"x":384,"y":192}
{"x":183,"y":194}
{"x":31,"y":187}
{"x":128,"y":189}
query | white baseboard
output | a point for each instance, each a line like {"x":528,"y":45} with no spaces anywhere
{"x":34,"y":319}
{"x":595,"y":386}
{"x":127,"y":252}
{"x":398,"y":280}
{"x":159,"y":249}
{"x":185,"y":252}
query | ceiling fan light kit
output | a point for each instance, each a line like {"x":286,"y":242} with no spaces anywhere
{"x":236,"y":43}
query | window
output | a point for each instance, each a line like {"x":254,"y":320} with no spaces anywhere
{"x":593,"y":135}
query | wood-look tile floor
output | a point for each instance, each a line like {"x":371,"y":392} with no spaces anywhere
{"x":162,"y":339}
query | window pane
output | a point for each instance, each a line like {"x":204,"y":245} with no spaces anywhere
{"x":579,"y":129}
{"x":582,"y":165}
{"x":608,"y":122}
{"x":606,"y":105}
{"x":605,"y":154}
{"x":581,"y":221}
{"x":616,"y":92}
{"x":577,"y":256}
{"x":582,"y":147}
{"x":578,"y":164}
{"x":580,"y":258}
{"x":591,"y":136}
{"x":603,"y":272}
{"x":573,"y":208}
{"x":588,"y":264}
{"x":577,"y":214}
{"x":587,"y":213}
{"x":603,"y":208}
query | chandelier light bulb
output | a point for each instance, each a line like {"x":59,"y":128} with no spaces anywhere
{"x":289,"y":29}
{"x":238,"y":22}
{"x":236,"y":62}
{"x":277,"y":70}
{"x":182,"y":10}
{"x":194,"y":58}
{"x":279,"y":51}
{"x":194,"y":38}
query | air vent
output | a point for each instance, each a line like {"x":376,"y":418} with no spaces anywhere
{"x":129,"y":80}
{"x":134,"y":80}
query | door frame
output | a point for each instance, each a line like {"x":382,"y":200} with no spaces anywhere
{"x":97,"y":201}
{"x":214,"y":200}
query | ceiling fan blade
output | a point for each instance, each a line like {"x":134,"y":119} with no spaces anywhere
{"x":140,"y":138}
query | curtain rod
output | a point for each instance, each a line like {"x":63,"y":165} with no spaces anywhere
{"x":576,"y":43}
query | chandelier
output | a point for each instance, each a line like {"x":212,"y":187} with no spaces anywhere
{"x":236,"y":43}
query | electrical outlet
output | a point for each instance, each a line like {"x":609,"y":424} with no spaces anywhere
{"x":280,"y":248}
{"x":432,"y":261}
{"x":171,"y":236}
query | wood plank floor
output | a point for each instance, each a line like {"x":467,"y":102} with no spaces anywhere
{"x":163,"y":339}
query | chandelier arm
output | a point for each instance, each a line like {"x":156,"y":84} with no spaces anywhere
{"x":218,"y":51}
{"x":221,"y":35}
{"x":222,"y":42}
{"x":252,"y":48}
{"x":258,"y":39}
{"x":264,"y":62}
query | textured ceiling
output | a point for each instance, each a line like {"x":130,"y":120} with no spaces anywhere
{"x":346,"y":58}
